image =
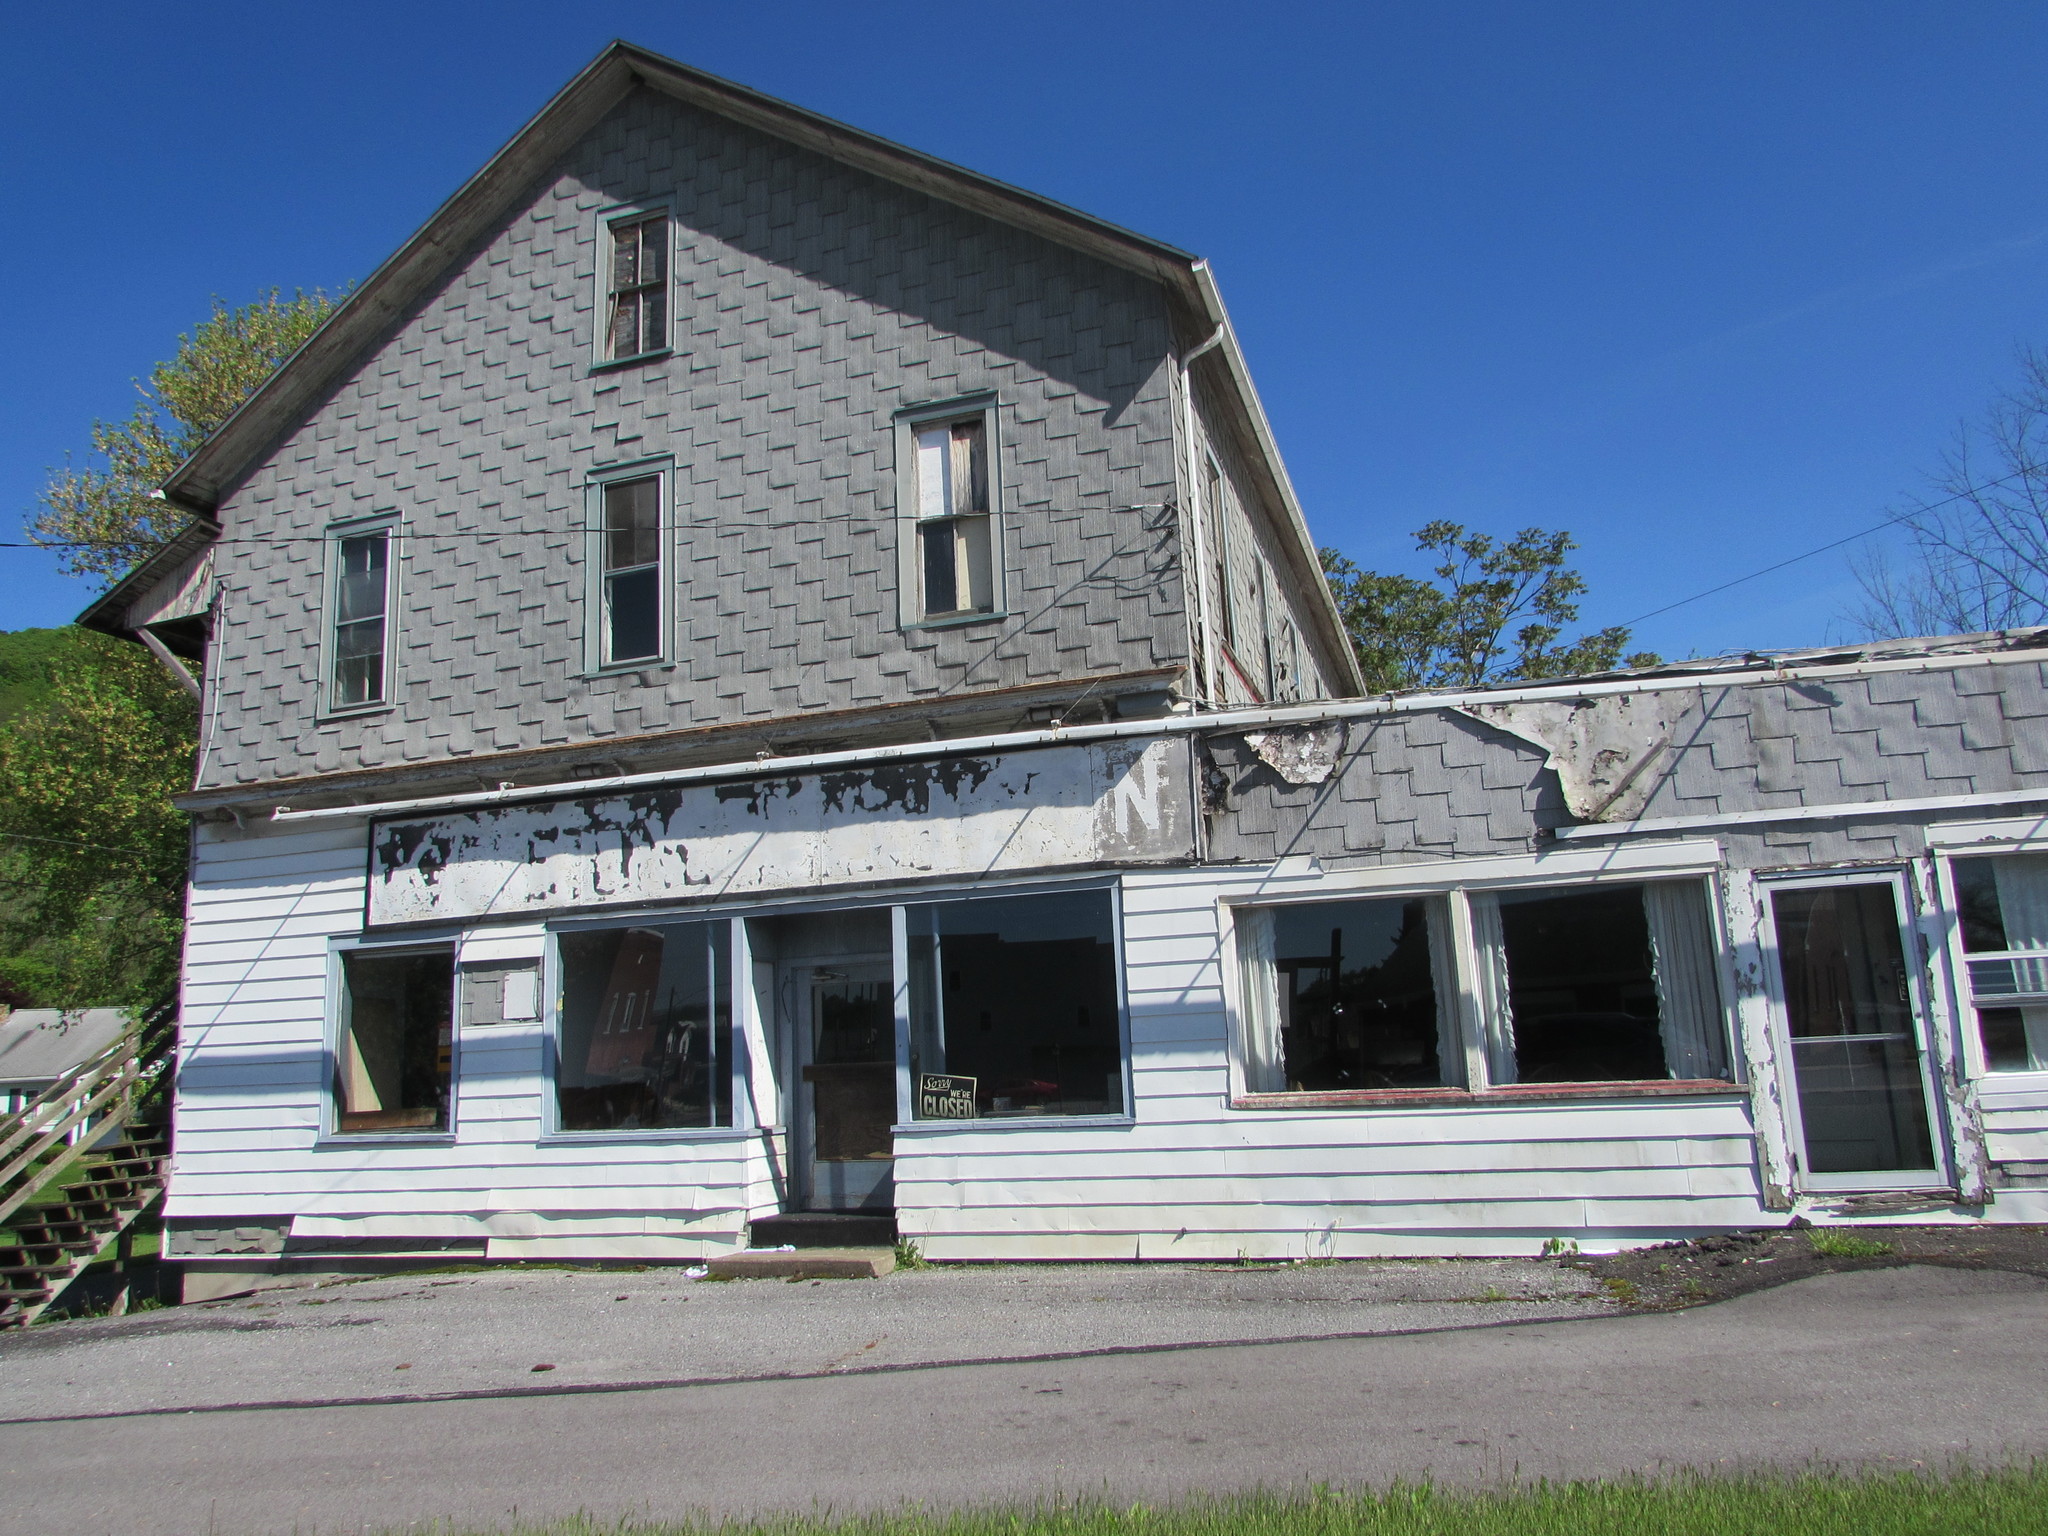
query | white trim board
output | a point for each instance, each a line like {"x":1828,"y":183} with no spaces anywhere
{"x":1833,"y":811}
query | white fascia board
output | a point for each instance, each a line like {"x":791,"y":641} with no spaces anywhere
{"x":1859,"y":810}
{"x":1637,"y":861}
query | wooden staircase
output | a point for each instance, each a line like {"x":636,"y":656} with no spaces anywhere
{"x":65,"y":1198}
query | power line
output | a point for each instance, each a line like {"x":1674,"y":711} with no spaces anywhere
{"x":1890,"y":522}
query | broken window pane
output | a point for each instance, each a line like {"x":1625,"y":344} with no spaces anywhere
{"x":638,"y":288}
{"x":1582,"y":988}
{"x":361,"y":593}
{"x":1017,"y":1011}
{"x":956,"y":555}
{"x":394,"y":1057}
{"x":1354,"y":997}
{"x":2002,"y":905}
{"x":646,"y":1028}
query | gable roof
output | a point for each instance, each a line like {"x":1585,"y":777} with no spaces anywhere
{"x":283,"y":400}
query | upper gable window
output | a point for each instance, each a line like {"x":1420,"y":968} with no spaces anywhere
{"x":360,"y":612}
{"x":636,"y":287}
{"x":949,"y":498}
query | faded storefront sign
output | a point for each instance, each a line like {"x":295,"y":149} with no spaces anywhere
{"x":1054,"y":807}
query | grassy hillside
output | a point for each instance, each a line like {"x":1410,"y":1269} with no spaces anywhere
{"x":28,"y":657}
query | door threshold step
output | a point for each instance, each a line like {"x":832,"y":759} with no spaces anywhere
{"x":804,"y":1264}
{"x":824,"y":1229}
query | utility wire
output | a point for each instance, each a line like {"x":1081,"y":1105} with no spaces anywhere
{"x":1890,"y":522}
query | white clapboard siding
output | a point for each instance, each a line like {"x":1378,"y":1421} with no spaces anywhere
{"x":265,"y":906}
{"x":1194,"y":1178}
{"x":2015,"y":1111}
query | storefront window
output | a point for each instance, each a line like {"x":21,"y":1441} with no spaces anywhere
{"x":1014,"y":1008}
{"x":1351,"y":994}
{"x":646,"y":1028}
{"x":395,"y":1056}
{"x":1577,"y":984}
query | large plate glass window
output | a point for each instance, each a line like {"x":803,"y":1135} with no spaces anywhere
{"x":630,"y":583}
{"x":1014,"y":1007}
{"x":1580,"y":984}
{"x":645,"y":1039}
{"x":361,"y":606}
{"x":2002,"y":903}
{"x":955,"y":524}
{"x":394,"y":1055}
{"x":636,"y":286}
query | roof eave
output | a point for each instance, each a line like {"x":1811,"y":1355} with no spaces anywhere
{"x":1310,"y":567}
{"x":108,"y":613}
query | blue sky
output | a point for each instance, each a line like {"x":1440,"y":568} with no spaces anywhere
{"x":1707,"y":286}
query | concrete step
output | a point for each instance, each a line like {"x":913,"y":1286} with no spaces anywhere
{"x":824,"y":1229}
{"x":805,"y":1264}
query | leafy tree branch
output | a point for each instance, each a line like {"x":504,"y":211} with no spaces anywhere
{"x":1495,"y":613}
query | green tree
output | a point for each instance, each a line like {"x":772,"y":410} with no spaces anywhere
{"x":1495,"y":613}
{"x":92,"y":852}
{"x":95,"y":737}
{"x":103,"y":518}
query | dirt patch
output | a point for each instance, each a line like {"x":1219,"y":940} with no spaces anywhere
{"x":1690,"y":1274}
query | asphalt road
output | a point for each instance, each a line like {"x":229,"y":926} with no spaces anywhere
{"x":1913,"y":1367}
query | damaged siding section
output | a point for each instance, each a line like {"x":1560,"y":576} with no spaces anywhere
{"x":1060,"y":807}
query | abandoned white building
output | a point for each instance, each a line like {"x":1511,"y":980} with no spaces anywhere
{"x":750,"y":671}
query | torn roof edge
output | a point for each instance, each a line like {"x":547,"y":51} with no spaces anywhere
{"x":1753,"y":662}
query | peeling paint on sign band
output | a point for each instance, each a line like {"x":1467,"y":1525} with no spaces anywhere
{"x":1048,"y":808}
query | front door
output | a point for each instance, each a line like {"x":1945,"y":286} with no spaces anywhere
{"x":1863,"y":1106}
{"x":848,"y":1039}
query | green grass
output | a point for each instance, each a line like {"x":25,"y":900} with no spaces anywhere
{"x":1846,"y":1245}
{"x":2000,"y":1503}
{"x":910,"y":1256}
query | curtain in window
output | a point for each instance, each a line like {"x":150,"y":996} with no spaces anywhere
{"x":2023,"y":901}
{"x":1490,"y":981}
{"x":1265,"y":1070}
{"x":1688,"y":991}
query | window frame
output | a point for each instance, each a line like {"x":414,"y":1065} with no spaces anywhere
{"x":553,"y":982}
{"x":752,"y":1077}
{"x":984,"y":407}
{"x":390,"y":525}
{"x":330,"y":1133}
{"x":908,"y":1123}
{"x":661,"y":469}
{"x":1930,"y":1026}
{"x":1479,"y":1024}
{"x":603,"y":224}
{"x":1996,"y":840}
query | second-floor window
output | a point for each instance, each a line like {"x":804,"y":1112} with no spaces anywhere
{"x":361,"y":608}
{"x":638,"y":287}
{"x":630,"y":544}
{"x":956,"y":547}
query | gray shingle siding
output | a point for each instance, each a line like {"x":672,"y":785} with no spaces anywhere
{"x":813,"y":302}
{"x":1437,"y":783}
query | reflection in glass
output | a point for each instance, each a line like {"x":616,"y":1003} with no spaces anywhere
{"x":1357,"y":1002}
{"x":2002,"y":902}
{"x":1849,"y":1010}
{"x":646,"y":1031}
{"x":1582,"y":985}
{"x":1019,"y":994}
